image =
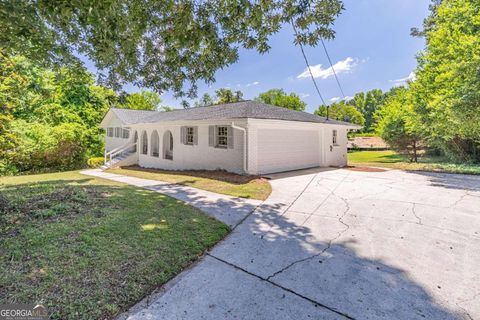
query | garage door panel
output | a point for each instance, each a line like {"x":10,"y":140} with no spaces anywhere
{"x":282,"y":150}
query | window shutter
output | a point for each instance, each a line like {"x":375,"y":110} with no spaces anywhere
{"x":230,"y":137}
{"x":195,"y":135}
{"x":211,"y":136}
{"x":183,"y":133}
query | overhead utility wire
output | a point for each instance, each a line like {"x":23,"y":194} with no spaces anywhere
{"x":309,"y":70}
{"x":333,"y":69}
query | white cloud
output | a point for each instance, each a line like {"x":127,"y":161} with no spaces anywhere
{"x":348,"y":98}
{"x":411,"y":77}
{"x":255,"y":83}
{"x":304,"y":95}
{"x":343,"y":66}
{"x":335,"y":99}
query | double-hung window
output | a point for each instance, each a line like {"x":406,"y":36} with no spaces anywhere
{"x":109,"y":132}
{"x":117,"y":132}
{"x":189,"y":135}
{"x":222,"y":137}
{"x":334,"y":137}
{"x":125,"y":134}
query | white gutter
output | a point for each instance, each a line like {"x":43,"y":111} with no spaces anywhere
{"x":244,"y":146}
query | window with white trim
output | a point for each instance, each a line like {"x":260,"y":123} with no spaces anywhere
{"x":117,"y":132}
{"x":222,"y":137}
{"x":334,"y":137}
{"x":109,"y":132}
{"x":125,"y":133}
{"x":189,"y":135}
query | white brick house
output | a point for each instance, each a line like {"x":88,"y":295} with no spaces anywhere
{"x":244,"y":137}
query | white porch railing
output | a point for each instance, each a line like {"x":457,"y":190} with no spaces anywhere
{"x":114,"y":152}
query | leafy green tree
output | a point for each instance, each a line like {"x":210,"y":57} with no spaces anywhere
{"x":367,"y":103}
{"x":144,"y":100}
{"x":157,"y":44}
{"x":399,"y":125}
{"x":166,"y":108}
{"x":205,"y":100}
{"x":447,"y":90}
{"x":341,"y":111}
{"x":279,"y":98}
{"x":43,"y":146}
{"x":38,"y":99}
{"x":225,"y":95}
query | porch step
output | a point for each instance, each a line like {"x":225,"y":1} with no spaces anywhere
{"x":116,"y":159}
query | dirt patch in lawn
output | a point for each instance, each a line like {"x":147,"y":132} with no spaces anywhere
{"x":47,"y":204}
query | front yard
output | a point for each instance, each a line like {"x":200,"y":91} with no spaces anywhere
{"x":90,"y":248}
{"x":391,"y":159}
{"x":223,"y":182}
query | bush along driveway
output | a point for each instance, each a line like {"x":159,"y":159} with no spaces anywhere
{"x":89,"y":248}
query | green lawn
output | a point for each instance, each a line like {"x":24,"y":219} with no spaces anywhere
{"x":392,"y":159}
{"x":214,"y":181}
{"x":90,"y":248}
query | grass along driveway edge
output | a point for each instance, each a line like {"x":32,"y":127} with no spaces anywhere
{"x":391,"y":159}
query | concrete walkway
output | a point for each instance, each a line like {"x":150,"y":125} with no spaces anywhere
{"x":229,"y":210}
{"x":340,"y":244}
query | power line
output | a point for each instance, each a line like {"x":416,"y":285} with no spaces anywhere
{"x":309,"y":70}
{"x":331,"y":66}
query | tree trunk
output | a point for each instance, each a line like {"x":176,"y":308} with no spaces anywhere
{"x":415,"y":156}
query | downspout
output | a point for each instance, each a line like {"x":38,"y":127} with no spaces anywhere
{"x":244,"y":146}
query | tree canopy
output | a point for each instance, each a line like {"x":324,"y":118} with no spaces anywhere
{"x":343,"y":112}
{"x":144,"y":100}
{"x":399,"y":125}
{"x":279,"y":98}
{"x":49,"y":118}
{"x":447,"y":90}
{"x":367,"y":103}
{"x":153,"y":44}
{"x":226,"y":95}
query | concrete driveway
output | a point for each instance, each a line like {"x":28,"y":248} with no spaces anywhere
{"x":335,"y":244}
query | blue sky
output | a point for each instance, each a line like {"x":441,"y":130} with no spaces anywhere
{"x":373,"y":48}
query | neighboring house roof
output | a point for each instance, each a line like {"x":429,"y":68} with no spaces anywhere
{"x":237,"y":110}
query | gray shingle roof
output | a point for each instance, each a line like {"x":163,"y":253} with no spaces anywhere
{"x":129,"y":116}
{"x":237,"y":110}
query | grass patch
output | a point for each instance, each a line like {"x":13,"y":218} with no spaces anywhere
{"x":391,"y":159}
{"x":90,"y":248}
{"x":223,"y":182}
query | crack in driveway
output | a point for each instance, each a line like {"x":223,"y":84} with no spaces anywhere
{"x":330,"y":242}
{"x":316,"y":303}
{"x":415,"y":214}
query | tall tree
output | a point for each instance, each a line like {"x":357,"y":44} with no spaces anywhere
{"x":367,"y":103}
{"x":447,"y":90}
{"x":205,"y":100}
{"x":144,"y":100}
{"x":399,"y":125}
{"x":48,"y":115}
{"x":343,"y":112}
{"x":157,"y":44}
{"x":279,"y":98}
{"x":226,"y":95}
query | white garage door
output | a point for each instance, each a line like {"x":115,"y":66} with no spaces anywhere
{"x":283,"y":150}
